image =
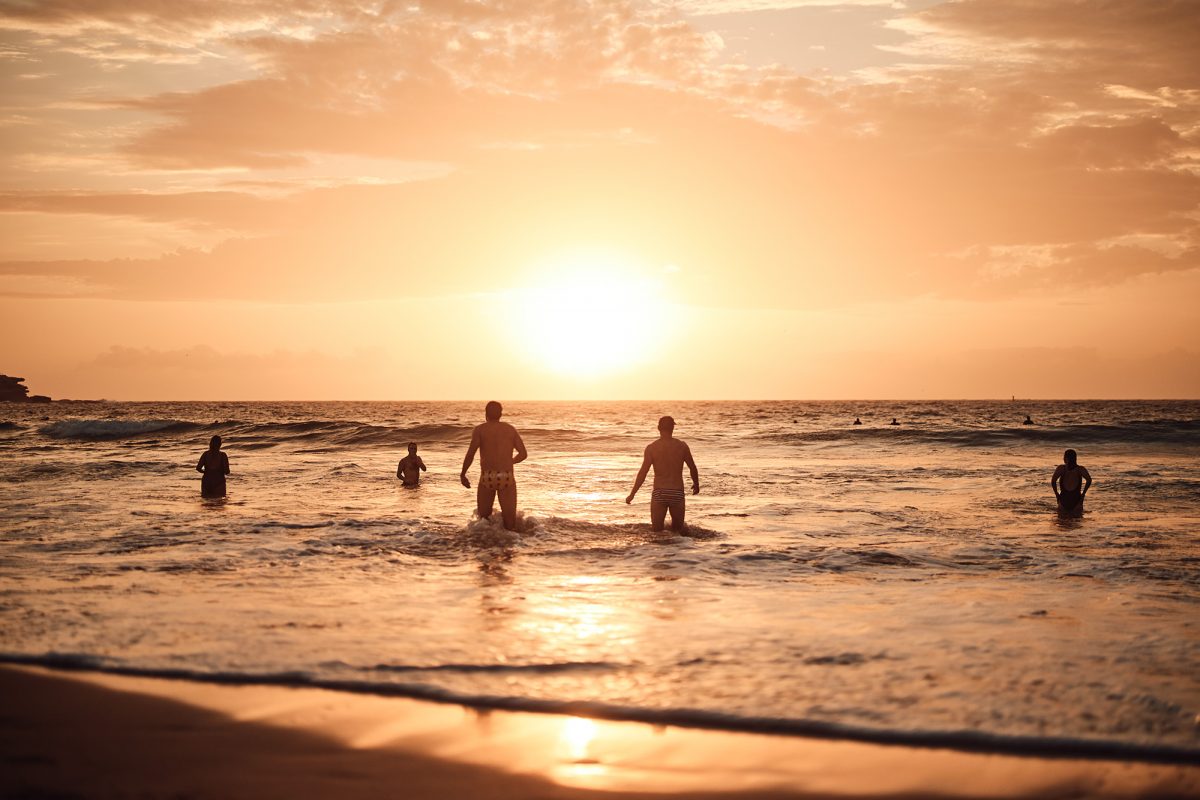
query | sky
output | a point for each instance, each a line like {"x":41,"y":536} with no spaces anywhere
{"x":547,"y":199}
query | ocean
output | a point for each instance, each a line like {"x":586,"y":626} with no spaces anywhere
{"x":907,"y":583}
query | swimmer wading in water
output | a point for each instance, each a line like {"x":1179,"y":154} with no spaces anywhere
{"x":496,"y":442}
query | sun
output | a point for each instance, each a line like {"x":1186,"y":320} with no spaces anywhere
{"x":593,"y":314}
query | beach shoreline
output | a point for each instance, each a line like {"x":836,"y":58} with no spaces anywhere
{"x":93,"y":734}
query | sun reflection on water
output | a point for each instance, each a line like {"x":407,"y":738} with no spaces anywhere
{"x":577,"y":735}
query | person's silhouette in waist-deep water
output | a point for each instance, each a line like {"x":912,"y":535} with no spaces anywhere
{"x":496,"y":443}
{"x":1028,"y":420}
{"x":410,"y":467}
{"x":1070,"y":484}
{"x":215,"y":466}
{"x":857,"y":421}
{"x":667,"y":455}
{"x":894,"y":421}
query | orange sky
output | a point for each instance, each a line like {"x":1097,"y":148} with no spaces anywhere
{"x":551,"y":199}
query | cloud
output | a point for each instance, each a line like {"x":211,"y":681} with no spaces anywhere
{"x":1020,"y":143}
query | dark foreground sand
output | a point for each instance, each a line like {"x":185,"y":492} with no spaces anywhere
{"x":77,"y":734}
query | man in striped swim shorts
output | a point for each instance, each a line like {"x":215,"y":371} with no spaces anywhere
{"x":667,"y":455}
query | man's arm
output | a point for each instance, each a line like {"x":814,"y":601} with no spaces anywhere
{"x":1054,"y":481}
{"x":225,"y":463}
{"x":200,"y":463}
{"x":691,"y":462}
{"x":470,"y":457}
{"x":400,"y":467}
{"x":641,"y":476}
{"x":1087,"y":482}
{"x":421,"y":464}
{"x":519,"y":446}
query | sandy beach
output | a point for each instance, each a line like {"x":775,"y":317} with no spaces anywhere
{"x":83,"y":734}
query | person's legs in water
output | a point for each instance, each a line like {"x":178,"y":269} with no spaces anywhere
{"x":508,"y":505}
{"x":484,"y":498}
{"x":677,"y":513}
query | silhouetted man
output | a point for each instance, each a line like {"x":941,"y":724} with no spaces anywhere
{"x":215,"y":466}
{"x":667,"y":455}
{"x":495,"y":441}
{"x":1070,"y":484}
{"x":410,"y":467}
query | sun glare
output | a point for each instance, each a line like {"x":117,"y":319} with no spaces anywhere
{"x":592,"y":315}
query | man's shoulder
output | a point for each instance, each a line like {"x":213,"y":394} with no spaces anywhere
{"x":1059,"y":470}
{"x":496,"y":427}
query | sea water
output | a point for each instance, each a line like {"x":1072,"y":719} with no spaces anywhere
{"x":909,"y":582}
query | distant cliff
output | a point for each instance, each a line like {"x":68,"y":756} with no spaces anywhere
{"x":11,"y":391}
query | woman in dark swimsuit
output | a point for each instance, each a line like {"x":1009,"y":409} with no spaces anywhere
{"x":1070,"y":483}
{"x":215,"y":466}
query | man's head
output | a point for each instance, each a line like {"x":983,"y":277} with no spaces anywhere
{"x":666,"y":425}
{"x":214,"y":443}
{"x":1069,"y":458}
{"x":412,"y":448}
{"x":492,"y":411}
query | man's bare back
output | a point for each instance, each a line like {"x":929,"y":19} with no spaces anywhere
{"x":496,"y":442}
{"x":668,"y":456}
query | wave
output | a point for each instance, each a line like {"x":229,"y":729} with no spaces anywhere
{"x":1156,"y":431}
{"x":113,"y":428}
{"x":317,"y":434}
{"x":961,"y":740}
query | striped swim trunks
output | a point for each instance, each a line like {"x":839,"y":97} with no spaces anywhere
{"x":667,"y":496}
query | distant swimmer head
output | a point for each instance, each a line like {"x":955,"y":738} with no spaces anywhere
{"x":895,"y":421}
{"x":492,"y":411}
{"x":1028,"y":420}
{"x":1069,"y":458}
{"x":857,"y":421}
{"x":666,"y":425}
{"x":214,"y":443}
{"x":412,"y":448}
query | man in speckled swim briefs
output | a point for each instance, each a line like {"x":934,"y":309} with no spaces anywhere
{"x":667,"y":455}
{"x":496,"y":441}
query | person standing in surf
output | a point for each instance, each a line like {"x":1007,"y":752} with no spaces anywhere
{"x":214,"y":464}
{"x":1070,"y":484}
{"x":667,"y":455}
{"x":496,"y":442}
{"x":410,"y":467}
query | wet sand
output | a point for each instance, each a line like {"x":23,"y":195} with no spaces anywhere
{"x":82,"y":734}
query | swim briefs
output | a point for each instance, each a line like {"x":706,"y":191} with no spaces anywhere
{"x":496,"y":479}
